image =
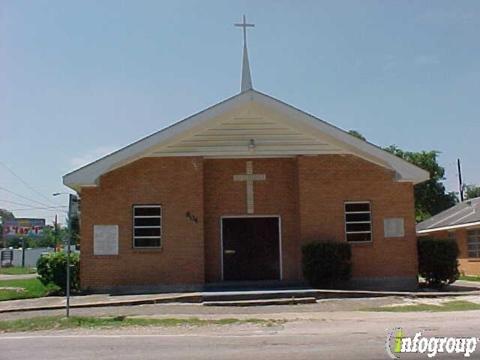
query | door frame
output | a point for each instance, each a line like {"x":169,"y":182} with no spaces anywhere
{"x":252,"y":216}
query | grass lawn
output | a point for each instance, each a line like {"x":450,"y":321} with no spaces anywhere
{"x":33,"y":288}
{"x":16,"y":270}
{"x":469,"y":278}
{"x":58,"y":323}
{"x":458,"y":305}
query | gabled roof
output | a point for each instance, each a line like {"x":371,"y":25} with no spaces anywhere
{"x":227,"y":128}
{"x":464,"y":214}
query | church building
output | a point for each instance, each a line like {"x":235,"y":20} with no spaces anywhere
{"x":230,"y":195}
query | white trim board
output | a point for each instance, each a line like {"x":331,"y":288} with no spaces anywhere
{"x":450,"y":227}
{"x":324,"y":139}
{"x":280,"y":252}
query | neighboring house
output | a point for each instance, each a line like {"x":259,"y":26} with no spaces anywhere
{"x":233,"y":192}
{"x":462,"y":223}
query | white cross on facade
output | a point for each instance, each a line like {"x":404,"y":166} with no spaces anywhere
{"x":249,"y":178}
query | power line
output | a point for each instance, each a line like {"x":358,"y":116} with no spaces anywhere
{"x":23,"y":197}
{"x":40,"y":208}
{"x":25,"y":183}
{"x":32,"y":207}
{"x":14,"y":202}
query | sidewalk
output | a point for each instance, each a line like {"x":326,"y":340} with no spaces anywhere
{"x":474,"y":284}
{"x":17,"y":277}
{"x":80,"y":301}
{"x":235,"y":298}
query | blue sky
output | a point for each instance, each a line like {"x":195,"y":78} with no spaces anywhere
{"x":82,"y":78}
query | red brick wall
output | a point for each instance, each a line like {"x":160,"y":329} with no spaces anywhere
{"x":326,"y":182}
{"x":308,"y":192}
{"x":467,"y":266}
{"x":176,"y":184}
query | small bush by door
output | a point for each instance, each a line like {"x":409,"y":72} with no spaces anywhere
{"x":326,"y":263}
{"x":437,"y":261}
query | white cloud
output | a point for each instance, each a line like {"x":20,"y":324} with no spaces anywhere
{"x":92,"y":155}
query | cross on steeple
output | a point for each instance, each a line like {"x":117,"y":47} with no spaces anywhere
{"x":246,"y":77}
{"x":244,"y":25}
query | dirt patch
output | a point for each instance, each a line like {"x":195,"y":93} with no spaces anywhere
{"x":16,"y":289}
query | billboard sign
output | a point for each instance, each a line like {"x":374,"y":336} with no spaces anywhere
{"x":23,"y":227}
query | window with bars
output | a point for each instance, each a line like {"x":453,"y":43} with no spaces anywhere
{"x":358,"y":221}
{"x":473,"y":242}
{"x":147,"y":226}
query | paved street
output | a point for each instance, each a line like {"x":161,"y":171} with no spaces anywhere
{"x":306,"y":335}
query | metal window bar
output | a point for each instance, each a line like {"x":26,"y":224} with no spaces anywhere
{"x":346,"y":212}
{"x":140,"y":237}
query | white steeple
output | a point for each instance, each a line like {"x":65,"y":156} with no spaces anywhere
{"x":246,"y":77}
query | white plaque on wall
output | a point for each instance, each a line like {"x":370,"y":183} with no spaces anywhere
{"x":105,"y":239}
{"x":394,"y":227}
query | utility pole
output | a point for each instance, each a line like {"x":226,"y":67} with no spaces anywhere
{"x":460,"y":181}
{"x":72,"y":201}
{"x":3,"y":237}
{"x":55,"y":232}
{"x":23,"y":251}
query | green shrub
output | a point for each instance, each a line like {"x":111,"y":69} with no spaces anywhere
{"x":52,"y":270}
{"x":325,"y":263}
{"x":437,"y":261}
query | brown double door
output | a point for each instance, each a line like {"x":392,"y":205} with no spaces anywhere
{"x":251,"y":248}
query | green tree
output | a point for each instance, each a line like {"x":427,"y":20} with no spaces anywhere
{"x":472,"y":191}
{"x":357,"y":135}
{"x":4,"y":215}
{"x":50,"y":237}
{"x":74,"y":229}
{"x":431,"y":196}
{"x":47,"y":239}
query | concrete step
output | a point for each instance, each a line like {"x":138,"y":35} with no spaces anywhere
{"x":262,"y":302}
{"x":257,"y":295}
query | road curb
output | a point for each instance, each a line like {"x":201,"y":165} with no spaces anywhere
{"x":178,"y":298}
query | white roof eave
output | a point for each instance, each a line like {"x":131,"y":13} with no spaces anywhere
{"x":405,"y":170}
{"x":88,"y":175}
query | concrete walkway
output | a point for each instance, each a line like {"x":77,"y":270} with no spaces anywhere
{"x":104,"y":300}
{"x":58,"y":302}
{"x":17,"y":277}
{"x":474,"y":284}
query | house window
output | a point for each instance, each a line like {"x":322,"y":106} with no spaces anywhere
{"x":147,"y":226}
{"x":452,"y":235}
{"x":473,"y":242}
{"x":358,"y":221}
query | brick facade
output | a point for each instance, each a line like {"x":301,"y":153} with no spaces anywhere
{"x":326,"y":182}
{"x":176,"y":184}
{"x":307,"y":192}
